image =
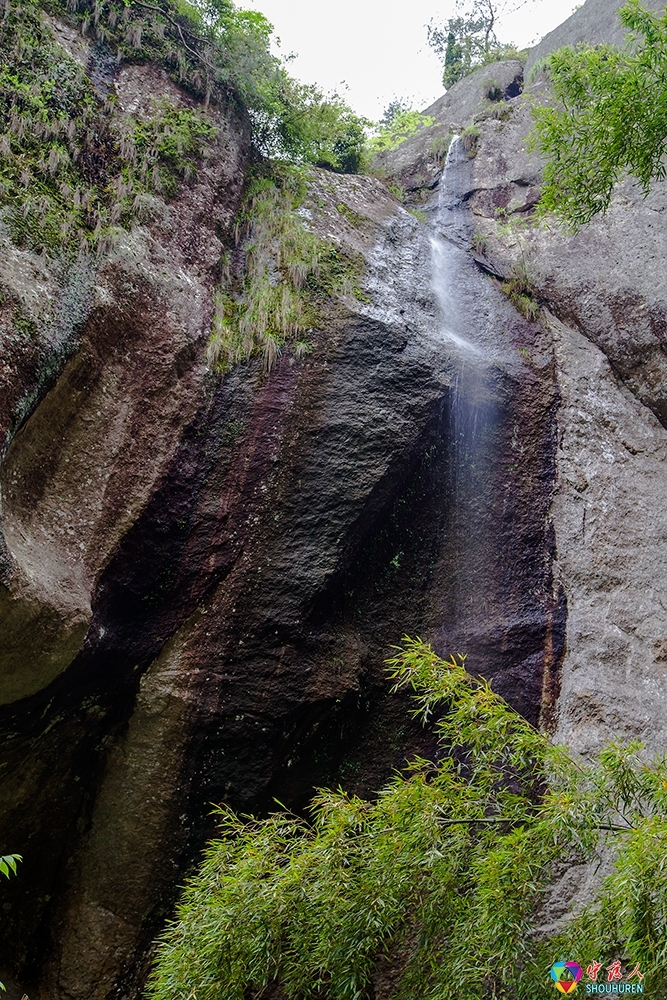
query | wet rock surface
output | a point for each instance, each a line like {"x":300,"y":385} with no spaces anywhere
{"x":229,"y":561}
{"x":203,"y":575}
{"x":605,"y":290}
{"x":287,"y":529}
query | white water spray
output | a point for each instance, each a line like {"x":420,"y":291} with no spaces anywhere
{"x":450,"y":219}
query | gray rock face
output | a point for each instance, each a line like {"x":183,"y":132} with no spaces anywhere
{"x":610,"y":517}
{"x":608,"y":280}
{"x":594,"y":23}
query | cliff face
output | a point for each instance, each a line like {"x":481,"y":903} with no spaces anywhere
{"x":603,"y":298}
{"x":103,"y":375}
{"x":203,"y":574}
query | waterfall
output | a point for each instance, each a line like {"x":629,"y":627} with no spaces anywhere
{"x":467,"y":323}
{"x":452,"y":221}
{"x":493,"y":596}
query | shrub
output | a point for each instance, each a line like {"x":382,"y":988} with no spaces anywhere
{"x":609,"y":118}
{"x":520,"y":291}
{"x":494,"y":92}
{"x":470,"y":140}
{"x":443,"y":873}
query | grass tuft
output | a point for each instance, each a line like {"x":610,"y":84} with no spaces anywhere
{"x":277,"y":293}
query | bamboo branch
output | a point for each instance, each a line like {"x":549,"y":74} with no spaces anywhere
{"x":614,"y":827}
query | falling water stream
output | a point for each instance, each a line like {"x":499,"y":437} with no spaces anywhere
{"x":466,"y":325}
{"x":481,"y":483}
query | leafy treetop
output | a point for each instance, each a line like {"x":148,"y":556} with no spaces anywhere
{"x":469,"y":40}
{"x":609,"y":118}
{"x":403,"y":123}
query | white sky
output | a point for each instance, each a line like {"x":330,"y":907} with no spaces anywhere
{"x":378,"y":48}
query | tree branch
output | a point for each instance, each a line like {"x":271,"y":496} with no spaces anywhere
{"x":175,"y":24}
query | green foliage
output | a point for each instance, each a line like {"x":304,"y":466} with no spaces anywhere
{"x":480,"y":243}
{"x":8,"y":864}
{"x":395,"y":107}
{"x":402,"y":126}
{"x":290,"y":120}
{"x":468,"y":40}
{"x":609,"y":118}
{"x":70,"y":169}
{"x":397,"y":191}
{"x":494,"y":92}
{"x":470,"y":140}
{"x":443,"y":875}
{"x":279,"y":288}
{"x":439,"y":147}
{"x":166,"y":147}
{"x":300,"y":123}
{"x":521,"y":293}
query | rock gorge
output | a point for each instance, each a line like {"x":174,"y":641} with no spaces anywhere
{"x":202,"y":574}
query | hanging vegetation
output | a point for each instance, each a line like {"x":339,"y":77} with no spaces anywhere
{"x":283,"y":276}
{"x":72,"y":168}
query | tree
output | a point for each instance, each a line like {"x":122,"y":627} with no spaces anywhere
{"x":609,"y":118}
{"x":298,"y":122}
{"x":397,"y":106}
{"x":403,"y":124}
{"x":290,"y":120}
{"x":468,"y":39}
{"x":444,"y":872}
